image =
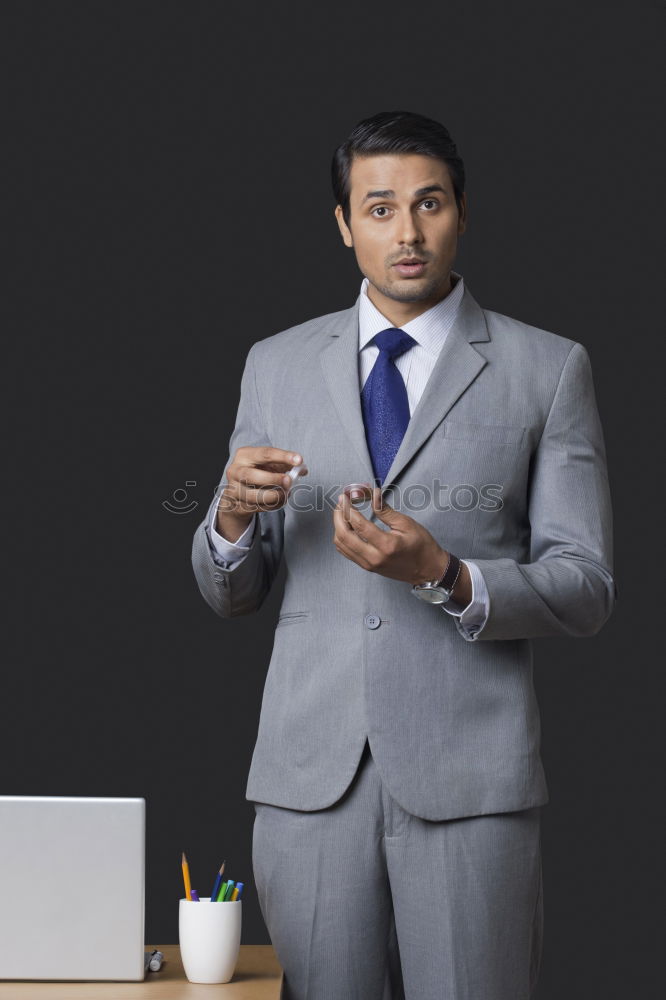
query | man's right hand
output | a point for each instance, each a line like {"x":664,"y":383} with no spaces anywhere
{"x":256,"y":481}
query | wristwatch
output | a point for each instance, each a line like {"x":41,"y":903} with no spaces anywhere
{"x":439,"y":591}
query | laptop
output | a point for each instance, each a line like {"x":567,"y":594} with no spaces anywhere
{"x":72,"y":885}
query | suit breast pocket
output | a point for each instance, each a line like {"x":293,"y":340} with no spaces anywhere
{"x":478,"y":468}
{"x":481,"y":453}
{"x":493,"y":434}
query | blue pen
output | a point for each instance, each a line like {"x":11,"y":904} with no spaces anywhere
{"x":218,"y":882}
{"x":239,"y":886}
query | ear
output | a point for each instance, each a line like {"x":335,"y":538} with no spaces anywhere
{"x":462,"y":215}
{"x":345,"y":232}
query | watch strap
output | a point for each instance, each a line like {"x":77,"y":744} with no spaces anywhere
{"x":451,"y":574}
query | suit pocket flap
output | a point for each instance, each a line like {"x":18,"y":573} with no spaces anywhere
{"x":494,"y":433}
{"x":286,"y":617}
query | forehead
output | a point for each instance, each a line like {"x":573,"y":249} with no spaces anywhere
{"x":399,"y":172}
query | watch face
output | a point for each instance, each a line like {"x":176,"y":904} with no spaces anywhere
{"x":433,"y":595}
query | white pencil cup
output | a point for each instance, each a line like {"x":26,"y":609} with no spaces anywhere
{"x":209,"y":935}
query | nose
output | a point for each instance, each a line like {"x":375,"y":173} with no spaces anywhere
{"x":408,"y":231}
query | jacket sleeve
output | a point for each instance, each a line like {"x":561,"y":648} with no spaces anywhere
{"x":567,"y":587}
{"x":241,"y":589}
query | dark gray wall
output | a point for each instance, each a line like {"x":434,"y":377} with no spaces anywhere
{"x":169,"y":206}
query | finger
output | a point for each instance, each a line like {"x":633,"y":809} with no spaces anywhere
{"x":280,"y":467}
{"x":253,"y":477}
{"x":265,"y":454}
{"x":360,"y":525}
{"x":346,"y":519}
{"x":237,"y":496}
{"x":346,"y":536}
{"x":342,"y":524}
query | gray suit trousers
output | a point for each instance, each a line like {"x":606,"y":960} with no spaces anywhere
{"x":365,"y":901}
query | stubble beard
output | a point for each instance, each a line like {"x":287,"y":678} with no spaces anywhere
{"x":408,"y":292}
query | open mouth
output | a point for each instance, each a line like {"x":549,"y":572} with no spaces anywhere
{"x":410,"y":269}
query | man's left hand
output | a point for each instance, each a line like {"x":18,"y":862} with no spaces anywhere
{"x":407,"y":551}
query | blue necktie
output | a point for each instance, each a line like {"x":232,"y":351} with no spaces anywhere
{"x":384,"y":401}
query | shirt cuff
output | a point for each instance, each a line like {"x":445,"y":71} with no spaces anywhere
{"x":472,"y":618}
{"x":225,"y":553}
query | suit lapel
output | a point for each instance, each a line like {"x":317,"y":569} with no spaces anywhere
{"x":455,"y":369}
{"x":339,"y":363}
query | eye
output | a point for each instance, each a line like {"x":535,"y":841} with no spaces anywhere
{"x":382,"y":212}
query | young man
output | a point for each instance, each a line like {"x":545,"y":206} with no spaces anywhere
{"x":396,"y":777}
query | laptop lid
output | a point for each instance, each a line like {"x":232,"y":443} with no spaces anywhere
{"x":72,"y":878}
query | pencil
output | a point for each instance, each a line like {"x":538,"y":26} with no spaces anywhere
{"x":218,"y":880}
{"x":186,"y":878}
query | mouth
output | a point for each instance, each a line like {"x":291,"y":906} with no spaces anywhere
{"x":410,"y":267}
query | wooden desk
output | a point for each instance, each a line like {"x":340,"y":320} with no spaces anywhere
{"x":257,"y":977}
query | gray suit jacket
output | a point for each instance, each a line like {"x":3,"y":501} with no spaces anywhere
{"x":453,"y":724}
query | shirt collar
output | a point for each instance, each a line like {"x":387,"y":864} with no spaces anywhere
{"x":430,"y":329}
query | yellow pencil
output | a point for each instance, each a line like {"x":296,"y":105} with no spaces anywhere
{"x":234,"y":894}
{"x":186,"y":878}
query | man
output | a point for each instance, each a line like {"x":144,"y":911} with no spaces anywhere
{"x":396,"y":776}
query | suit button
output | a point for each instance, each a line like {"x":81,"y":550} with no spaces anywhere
{"x":372,"y":621}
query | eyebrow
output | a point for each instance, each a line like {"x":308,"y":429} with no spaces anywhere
{"x":419,"y":193}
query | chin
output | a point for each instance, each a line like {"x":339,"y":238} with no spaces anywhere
{"x":411,"y":290}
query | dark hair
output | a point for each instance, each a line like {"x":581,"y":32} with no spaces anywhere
{"x":395,"y":132}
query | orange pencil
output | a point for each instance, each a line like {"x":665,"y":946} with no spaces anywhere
{"x":186,"y":878}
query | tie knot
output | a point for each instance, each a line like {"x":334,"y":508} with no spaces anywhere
{"x":393,"y":342}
